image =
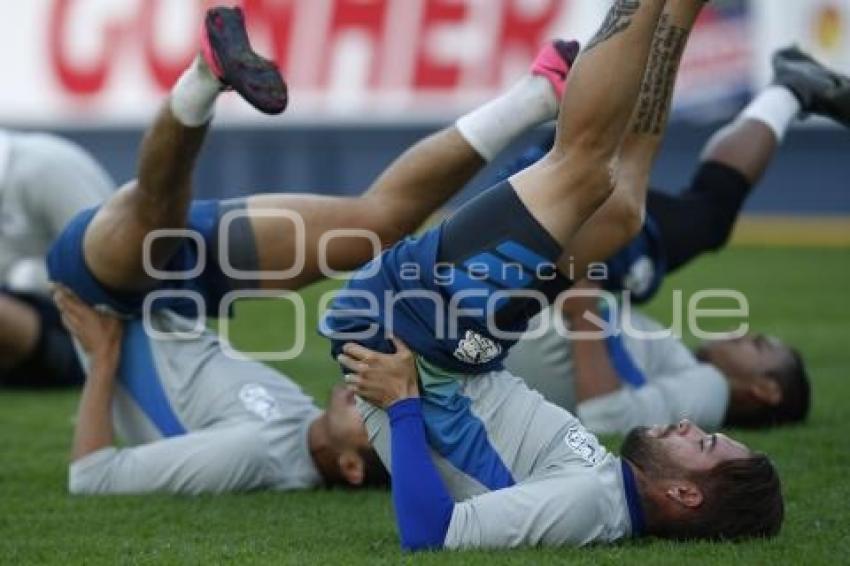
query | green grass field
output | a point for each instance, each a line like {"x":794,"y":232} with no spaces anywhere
{"x":800,"y":295}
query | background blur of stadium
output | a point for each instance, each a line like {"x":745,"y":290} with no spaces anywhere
{"x":368,"y":77}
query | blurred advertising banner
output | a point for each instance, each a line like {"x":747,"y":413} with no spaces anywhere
{"x":109,"y":62}
{"x":822,"y":27}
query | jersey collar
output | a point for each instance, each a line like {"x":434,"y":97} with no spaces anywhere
{"x":633,"y":500}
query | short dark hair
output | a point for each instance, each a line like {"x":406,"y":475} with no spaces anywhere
{"x":376,"y":474}
{"x":742,"y":498}
{"x":796,"y":390}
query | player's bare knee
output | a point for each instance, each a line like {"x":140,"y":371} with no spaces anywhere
{"x":591,"y":145}
{"x":633,"y":217}
{"x":628,"y":215}
{"x":591,"y":177}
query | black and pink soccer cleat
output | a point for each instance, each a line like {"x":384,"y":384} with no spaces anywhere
{"x":227,"y":51}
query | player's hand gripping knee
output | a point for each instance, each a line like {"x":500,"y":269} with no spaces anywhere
{"x":380,"y":379}
{"x":99,"y":334}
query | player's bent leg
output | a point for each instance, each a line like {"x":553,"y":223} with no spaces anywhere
{"x":333,"y":231}
{"x":341,"y":234}
{"x":104,"y":250}
{"x":702,"y":218}
{"x":569,"y":184}
{"x":621,"y":217}
{"x":100,"y":254}
{"x":160,"y":197}
{"x":282,"y":228}
{"x":158,"y":200}
{"x":736,"y":158}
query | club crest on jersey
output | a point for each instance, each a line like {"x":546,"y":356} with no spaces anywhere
{"x":641,"y":276}
{"x":259,"y":401}
{"x":477,"y":349}
{"x":584,"y":445}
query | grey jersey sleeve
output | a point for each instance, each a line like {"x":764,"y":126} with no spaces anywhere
{"x":58,"y":180}
{"x":231,"y":458}
{"x":699,"y":393}
{"x":677,"y":387}
{"x":549,"y":511}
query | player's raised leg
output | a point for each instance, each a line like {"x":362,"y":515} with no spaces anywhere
{"x":575,"y":178}
{"x":800,"y":85}
{"x":160,"y":197}
{"x":617,"y":221}
{"x":413,"y":187}
{"x":736,"y":158}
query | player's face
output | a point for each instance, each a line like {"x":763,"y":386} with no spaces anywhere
{"x":742,"y":358}
{"x":346,"y":425}
{"x":684,"y":447}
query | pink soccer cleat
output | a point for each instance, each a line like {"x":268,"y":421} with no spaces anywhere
{"x":554,"y":63}
{"x":227,"y":51}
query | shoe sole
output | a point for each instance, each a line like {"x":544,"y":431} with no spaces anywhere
{"x":835,"y":104}
{"x":229,"y":53}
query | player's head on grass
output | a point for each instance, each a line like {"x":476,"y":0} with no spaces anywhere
{"x":768,"y":383}
{"x":341,"y":447}
{"x":695,"y":485}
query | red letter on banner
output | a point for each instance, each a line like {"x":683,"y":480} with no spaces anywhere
{"x":277,"y":16}
{"x":165,"y":70}
{"x":369,"y":16}
{"x":78,"y":80}
{"x":431,"y":74}
{"x":524,"y":33}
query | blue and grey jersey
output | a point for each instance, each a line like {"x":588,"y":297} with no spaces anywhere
{"x":196,"y":420}
{"x":520,"y":470}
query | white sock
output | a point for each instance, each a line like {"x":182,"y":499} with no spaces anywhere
{"x":193,"y":96}
{"x":776,"y":107}
{"x":492,"y":127}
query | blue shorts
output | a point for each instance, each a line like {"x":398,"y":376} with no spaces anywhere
{"x":437,"y":292}
{"x":66,"y":265}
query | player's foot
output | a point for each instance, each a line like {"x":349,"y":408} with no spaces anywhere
{"x":227,"y":51}
{"x":820,"y":90}
{"x":554,"y":63}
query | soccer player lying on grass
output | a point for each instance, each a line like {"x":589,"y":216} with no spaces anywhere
{"x":44,"y":182}
{"x":480,"y":460}
{"x":195,"y":419}
{"x":614,"y":384}
{"x":199,"y":421}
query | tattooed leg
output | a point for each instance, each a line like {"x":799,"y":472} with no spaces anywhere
{"x":656,"y":92}
{"x":618,"y":19}
{"x":604,"y":233}
{"x":569,"y":184}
